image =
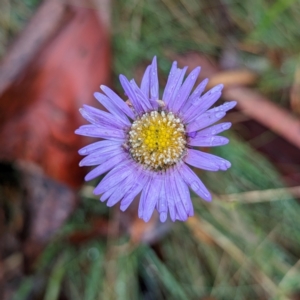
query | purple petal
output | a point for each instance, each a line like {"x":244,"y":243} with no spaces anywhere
{"x":205,"y":120}
{"x":184,"y":195}
{"x":106,"y":166}
{"x":208,"y":141}
{"x":107,"y":194}
{"x":131,"y":94}
{"x":144,"y":197}
{"x":206,"y":161}
{"x":195,"y":159}
{"x":177,"y":194}
{"x":193,"y":181}
{"x":174,"y":86}
{"x":224,"y":107}
{"x":134,"y":191}
{"x":163,"y":216}
{"x":100,"y":156}
{"x":185,"y":90}
{"x":205,"y":102}
{"x":100,"y":118}
{"x":154,"y":81}
{"x":170,"y":192}
{"x":114,"y":176}
{"x":195,"y":95}
{"x":101,"y":132}
{"x":143,"y":100}
{"x":152,"y":197}
{"x":162,"y":205}
{"x":117,"y":101}
{"x":112,"y":108}
{"x":122,"y":189}
{"x":180,"y":211}
{"x":214,"y":129}
{"x":145,"y":84}
{"x":97,"y":146}
{"x":171,"y":78}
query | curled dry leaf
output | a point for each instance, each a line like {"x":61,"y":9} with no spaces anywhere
{"x":54,"y":67}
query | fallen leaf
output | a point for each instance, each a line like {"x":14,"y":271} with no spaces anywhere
{"x":59,"y":60}
{"x":233,"y":78}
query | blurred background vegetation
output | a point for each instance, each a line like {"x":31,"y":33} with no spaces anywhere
{"x":241,"y":246}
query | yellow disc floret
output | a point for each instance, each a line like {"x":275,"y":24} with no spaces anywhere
{"x":157,"y":140}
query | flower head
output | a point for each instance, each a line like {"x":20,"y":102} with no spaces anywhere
{"x":148,"y":142}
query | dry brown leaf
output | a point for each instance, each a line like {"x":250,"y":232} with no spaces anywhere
{"x":233,"y":78}
{"x":54,"y":68}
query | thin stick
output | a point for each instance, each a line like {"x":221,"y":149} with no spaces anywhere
{"x":262,"y":196}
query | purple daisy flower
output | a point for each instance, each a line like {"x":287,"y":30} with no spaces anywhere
{"x":148,"y":142}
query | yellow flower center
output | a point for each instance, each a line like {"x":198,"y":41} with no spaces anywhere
{"x":157,"y":140}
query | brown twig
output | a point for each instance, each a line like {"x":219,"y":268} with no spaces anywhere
{"x":262,"y":196}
